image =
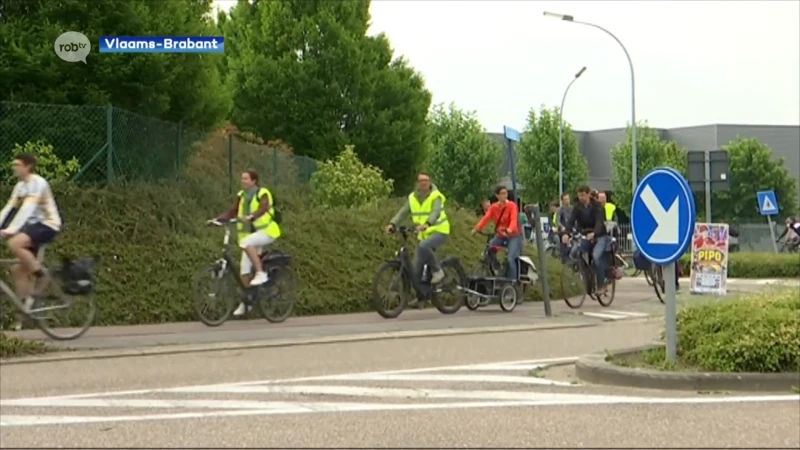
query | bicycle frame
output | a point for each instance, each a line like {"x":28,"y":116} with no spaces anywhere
{"x":403,"y":256}
{"x":229,"y":263}
{"x":490,"y":259}
{"x":9,"y":292}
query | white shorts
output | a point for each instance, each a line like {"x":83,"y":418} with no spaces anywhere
{"x":258,"y":240}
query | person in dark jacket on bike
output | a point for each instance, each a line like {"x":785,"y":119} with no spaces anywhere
{"x":588,"y":217}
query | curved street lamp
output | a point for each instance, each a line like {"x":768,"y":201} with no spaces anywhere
{"x":634,"y":152}
{"x":561,"y":134}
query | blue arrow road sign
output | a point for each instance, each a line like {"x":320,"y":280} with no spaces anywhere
{"x":767,"y":203}
{"x":663,"y":215}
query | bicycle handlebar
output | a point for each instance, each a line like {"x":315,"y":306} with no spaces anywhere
{"x":404,"y":230}
{"x":222,"y":222}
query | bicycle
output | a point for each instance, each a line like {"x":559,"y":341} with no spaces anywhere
{"x":403,"y":281}
{"x":489,"y":277}
{"x":583,"y":266}
{"x":275,"y":298}
{"x":64,"y":287}
{"x":788,"y":246}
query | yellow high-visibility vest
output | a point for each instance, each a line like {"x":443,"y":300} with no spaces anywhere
{"x":610,"y":210}
{"x":421,"y":211}
{"x":264,"y":223}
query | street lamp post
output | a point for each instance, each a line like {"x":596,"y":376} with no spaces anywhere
{"x":561,"y":134}
{"x":634,"y":153}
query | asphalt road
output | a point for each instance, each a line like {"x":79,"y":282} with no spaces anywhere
{"x":634,"y":300}
{"x":467,"y":391}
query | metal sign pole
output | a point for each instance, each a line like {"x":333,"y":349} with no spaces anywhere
{"x":537,"y":231}
{"x":670,"y":315}
{"x":708,"y":185}
{"x":772,"y":234}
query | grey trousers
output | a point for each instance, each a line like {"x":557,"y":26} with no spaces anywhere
{"x":425,"y":253}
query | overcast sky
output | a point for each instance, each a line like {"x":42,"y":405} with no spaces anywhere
{"x":696,"y":62}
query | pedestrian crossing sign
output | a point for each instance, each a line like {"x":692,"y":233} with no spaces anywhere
{"x":767,"y":203}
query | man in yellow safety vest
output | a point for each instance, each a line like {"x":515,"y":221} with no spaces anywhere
{"x":609,"y":208}
{"x":425,"y":206}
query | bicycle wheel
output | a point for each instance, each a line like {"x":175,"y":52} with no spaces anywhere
{"x":215,"y":295}
{"x":611,"y":286}
{"x":473,"y":302}
{"x":611,"y":290}
{"x":450,"y":288}
{"x":79,"y":312}
{"x":657,"y":275}
{"x":573,"y":281}
{"x":277,"y":297}
{"x":398,"y":290}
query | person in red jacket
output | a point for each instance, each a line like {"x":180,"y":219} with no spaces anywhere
{"x":505,"y":216}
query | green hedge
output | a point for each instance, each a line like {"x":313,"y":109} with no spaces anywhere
{"x":11,"y":346}
{"x":759,"y":333}
{"x":756,"y":265}
{"x":151,"y":241}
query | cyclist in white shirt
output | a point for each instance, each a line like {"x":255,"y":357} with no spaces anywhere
{"x":29,"y":221}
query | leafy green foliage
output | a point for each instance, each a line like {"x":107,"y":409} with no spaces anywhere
{"x":152,"y":241}
{"x":753,"y":168}
{"x":463,"y":159}
{"x":756,"y":265}
{"x":50,"y":166}
{"x":348,"y":183}
{"x":760,"y":333}
{"x":11,"y":347}
{"x":538,"y":157}
{"x":173,"y":87}
{"x":306,"y":73}
{"x":652,"y":152}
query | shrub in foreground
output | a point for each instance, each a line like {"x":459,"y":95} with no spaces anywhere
{"x":758,"y":333}
{"x":756,"y":265}
{"x":11,"y":347}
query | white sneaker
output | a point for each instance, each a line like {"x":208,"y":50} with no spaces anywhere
{"x":259,"y":279}
{"x":437,"y":276}
{"x":241,"y":310}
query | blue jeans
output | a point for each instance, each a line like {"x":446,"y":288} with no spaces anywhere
{"x":514,"y":246}
{"x":598,"y":250}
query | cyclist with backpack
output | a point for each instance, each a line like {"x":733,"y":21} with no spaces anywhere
{"x":258,"y":227}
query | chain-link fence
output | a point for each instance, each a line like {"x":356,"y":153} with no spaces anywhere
{"x":111,"y":144}
{"x":108,"y":143}
{"x":275,"y":165}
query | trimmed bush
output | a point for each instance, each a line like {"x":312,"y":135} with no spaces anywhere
{"x":151,"y":241}
{"x":759,"y":333}
{"x":756,"y":265}
{"x":11,"y":347}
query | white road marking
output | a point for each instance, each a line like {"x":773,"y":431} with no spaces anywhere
{"x":237,"y":408}
{"x":538,"y":363}
{"x":450,"y":378}
{"x":299,"y":408}
{"x":614,"y":315}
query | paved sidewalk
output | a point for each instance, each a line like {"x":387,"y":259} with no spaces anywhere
{"x":527,"y":314}
{"x":634,"y":299}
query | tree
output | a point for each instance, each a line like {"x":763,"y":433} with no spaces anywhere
{"x":48,"y":164}
{"x":174,"y":87}
{"x":306,"y":73}
{"x":753,"y":168}
{"x":346,"y":182}
{"x":537,"y":153}
{"x":652,"y":152}
{"x":462,"y":158}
